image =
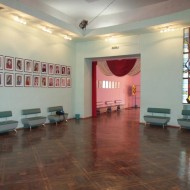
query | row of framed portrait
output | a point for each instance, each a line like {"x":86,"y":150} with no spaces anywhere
{"x":31,"y":66}
{"x":29,"y":80}
{"x":108,"y":84}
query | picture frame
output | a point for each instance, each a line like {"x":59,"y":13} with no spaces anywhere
{"x":9,"y":79}
{"x":1,"y":62}
{"x":19,"y":82}
{"x":68,"y":82}
{"x":68,"y":70}
{"x":44,"y":69}
{"x":28,"y":80}
{"x":28,"y":65}
{"x":57,"y":69}
{"x":36,"y":80}
{"x":50,"y":82}
{"x":51,"y":69}
{"x":63,"y":82}
{"x":57,"y":82}
{"x":44,"y":81}
{"x":19,"y":64}
{"x":9,"y":63}
{"x":1,"y":80}
{"x":36,"y":66}
{"x":100,"y":84}
{"x":63,"y":69}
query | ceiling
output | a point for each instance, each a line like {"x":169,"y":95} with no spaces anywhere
{"x":105,"y":17}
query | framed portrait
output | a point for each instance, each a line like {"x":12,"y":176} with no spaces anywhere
{"x":68,"y":81}
{"x":68,"y":70}
{"x":63,"y":70}
{"x":44,"y":81}
{"x":44,"y":68}
{"x":28,"y":65}
{"x":19,"y":64}
{"x":1,"y":62}
{"x":27,"y":80}
{"x":36,"y":66}
{"x":50,"y":82}
{"x":57,"y":82}
{"x":36,"y":81}
{"x":63,"y":82}
{"x":1,"y":79}
{"x":57,"y":69}
{"x":9,"y":79}
{"x":9,"y":63}
{"x":51,"y":69}
{"x":19,"y":79}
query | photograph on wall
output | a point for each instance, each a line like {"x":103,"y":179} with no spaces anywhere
{"x":36,"y":81}
{"x":57,"y":82}
{"x":44,"y":81}
{"x":36,"y":66}
{"x":9,"y":78}
{"x":51,"y":69}
{"x":68,"y":70}
{"x":63,"y":82}
{"x":1,"y":62}
{"x":51,"y":82}
{"x":19,"y":64}
{"x":9,"y":63}
{"x":63,"y":70}
{"x":57,"y":69}
{"x":1,"y":79}
{"x":19,"y":79}
{"x":28,"y":65}
{"x":44,"y":68}
{"x":112,"y":84}
{"x":68,"y":82}
{"x":28,"y":80}
{"x":100,"y":84}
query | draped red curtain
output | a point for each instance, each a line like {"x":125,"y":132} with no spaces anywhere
{"x":121,"y":67}
{"x":94,"y":63}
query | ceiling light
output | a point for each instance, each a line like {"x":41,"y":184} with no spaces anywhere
{"x":111,"y":39}
{"x":167,"y":29}
{"x":45,"y":29}
{"x":20,"y":20}
{"x":67,"y":37}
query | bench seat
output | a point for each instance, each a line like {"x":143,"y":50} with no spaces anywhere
{"x":185,"y":121}
{"x":7,"y":125}
{"x":32,"y":121}
{"x":53,"y":117}
{"x":158,"y":116}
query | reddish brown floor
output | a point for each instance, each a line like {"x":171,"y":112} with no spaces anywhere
{"x":110,"y":152}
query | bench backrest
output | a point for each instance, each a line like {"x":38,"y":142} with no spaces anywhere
{"x":55,"y":108}
{"x":4,"y":114}
{"x":159,"y":110}
{"x":31,"y":111}
{"x":185,"y":112}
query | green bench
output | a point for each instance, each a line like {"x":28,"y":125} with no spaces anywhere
{"x":185,"y":121}
{"x":55,"y":117}
{"x":32,"y":118}
{"x":7,"y":125}
{"x":159,"y":116}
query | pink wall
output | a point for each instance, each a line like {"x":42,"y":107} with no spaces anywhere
{"x":123,"y":93}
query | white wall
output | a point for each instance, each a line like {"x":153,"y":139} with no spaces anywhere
{"x":161,"y":70}
{"x":30,"y":43}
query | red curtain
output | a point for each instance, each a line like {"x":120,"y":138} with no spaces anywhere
{"x":121,"y":67}
{"x":94,"y":63}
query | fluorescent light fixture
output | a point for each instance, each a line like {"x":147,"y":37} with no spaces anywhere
{"x":67,"y":37}
{"x":20,"y":20}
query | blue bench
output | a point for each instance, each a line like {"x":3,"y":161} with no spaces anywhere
{"x":32,"y":121}
{"x":159,"y":116}
{"x":185,"y":121}
{"x":55,"y":117}
{"x":7,"y":125}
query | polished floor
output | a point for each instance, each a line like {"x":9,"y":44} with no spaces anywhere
{"x":110,"y":152}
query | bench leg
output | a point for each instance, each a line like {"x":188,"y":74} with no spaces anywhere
{"x":15,"y":131}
